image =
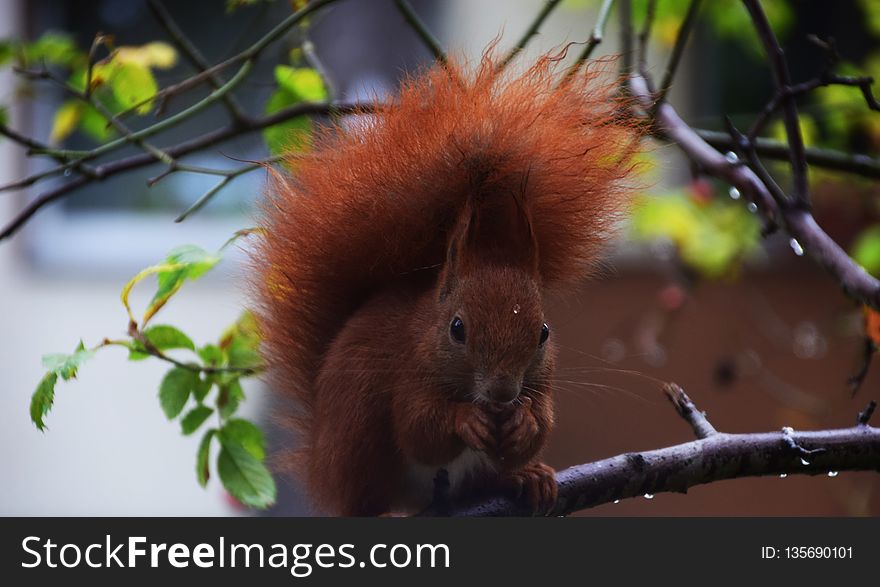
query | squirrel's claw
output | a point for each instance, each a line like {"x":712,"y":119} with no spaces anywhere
{"x":518,"y":434}
{"x":534,"y":485}
{"x":474,"y":427}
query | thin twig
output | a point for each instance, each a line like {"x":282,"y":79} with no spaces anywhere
{"x":209,"y":139}
{"x":427,"y":37}
{"x":626,"y":35}
{"x":645,"y":36}
{"x":687,"y":410}
{"x":192,"y":54}
{"x":782,"y":80}
{"x":858,"y":378}
{"x":861,"y":165}
{"x":539,"y":19}
{"x":595,"y":38}
{"x":681,"y":39}
{"x":865,"y":415}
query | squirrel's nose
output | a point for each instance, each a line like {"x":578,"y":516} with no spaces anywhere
{"x":502,"y":389}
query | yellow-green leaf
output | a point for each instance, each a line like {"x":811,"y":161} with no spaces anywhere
{"x":133,"y":85}
{"x":66,"y":120}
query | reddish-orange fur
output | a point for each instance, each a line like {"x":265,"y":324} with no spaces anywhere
{"x":471,"y":194}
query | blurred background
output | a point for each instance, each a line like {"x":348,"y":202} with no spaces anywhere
{"x":757,"y":335}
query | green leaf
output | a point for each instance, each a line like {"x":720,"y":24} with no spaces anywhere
{"x":188,"y":262}
{"x":291,"y":135}
{"x":303,"y":84}
{"x":66,"y":366}
{"x":866,"y":250}
{"x":195,"y":418}
{"x":8,"y":50}
{"x":95,"y":125}
{"x":241,"y":342}
{"x":245,"y":477}
{"x":211,"y":355}
{"x":137,"y":351}
{"x":165,"y":337}
{"x":229,"y":398}
{"x":203,"y":457}
{"x":53,"y":48}
{"x":175,"y":389}
{"x":42,"y":399}
{"x":203,"y":386}
{"x":4,"y":115}
{"x":247,"y":434}
{"x":133,"y":84}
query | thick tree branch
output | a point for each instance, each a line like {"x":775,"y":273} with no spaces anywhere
{"x":716,"y":457}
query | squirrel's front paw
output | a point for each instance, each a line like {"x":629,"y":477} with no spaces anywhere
{"x":518,"y":435}
{"x":474,"y":427}
{"x":534,"y":485}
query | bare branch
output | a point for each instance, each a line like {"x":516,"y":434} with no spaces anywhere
{"x":861,"y":165}
{"x":681,"y":40}
{"x":716,"y":458}
{"x":782,"y":79}
{"x":192,"y":54}
{"x":539,"y":19}
{"x":595,"y":37}
{"x":207,"y":140}
{"x":429,"y":40}
{"x":687,"y":410}
{"x":798,"y":222}
{"x":865,"y":415}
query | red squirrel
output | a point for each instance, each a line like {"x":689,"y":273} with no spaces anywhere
{"x":402,"y":274}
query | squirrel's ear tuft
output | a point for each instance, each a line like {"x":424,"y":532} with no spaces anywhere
{"x":500,"y":231}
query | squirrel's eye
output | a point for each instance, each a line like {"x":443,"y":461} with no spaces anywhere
{"x":456,"y":329}
{"x":545,"y":333}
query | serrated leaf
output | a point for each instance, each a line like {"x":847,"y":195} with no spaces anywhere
{"x":67,"y":117}
{"x":241,"y":342}
{"x":133,"y":85}
{"x":165,"y":337}
{"x":42,"y":399}
{"x":247,"y":434}
{"x":203,"y":457}
{"x":66,"y":366}
{"x":229,"y":398}
{"x":245,"y":477}
{"x":175,"y":389}
{"x":194,"y":419}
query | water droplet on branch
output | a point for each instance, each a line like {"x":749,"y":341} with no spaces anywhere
{"x":734,"y":193}
{"x":796,"y":247}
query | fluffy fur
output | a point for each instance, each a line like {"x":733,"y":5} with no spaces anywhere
{"x":360,"y":232}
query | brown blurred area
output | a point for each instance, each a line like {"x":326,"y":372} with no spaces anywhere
{"x":772,"y":349}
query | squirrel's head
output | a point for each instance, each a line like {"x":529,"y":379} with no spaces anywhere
{"x":493,"y":335}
